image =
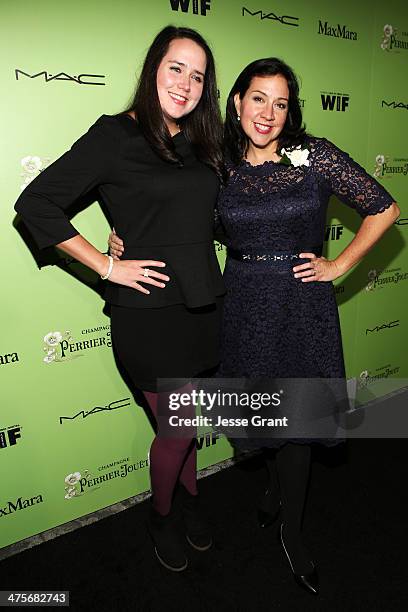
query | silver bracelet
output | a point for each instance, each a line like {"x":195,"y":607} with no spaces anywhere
{"x":110,"y":268}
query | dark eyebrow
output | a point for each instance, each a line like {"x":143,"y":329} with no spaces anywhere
{"x":266,"y":95}
{"x":181,"y":64}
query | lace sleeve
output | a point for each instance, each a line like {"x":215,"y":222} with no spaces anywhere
{"x":349,"y":181}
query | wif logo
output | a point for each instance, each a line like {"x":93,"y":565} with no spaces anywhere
{"x":334,"y":101}
{"x":333,"y":232}
{"x":208,"y":439}
{"x":284,"y":19}
{"x":9,"y":436}
{"x":198,"y":7}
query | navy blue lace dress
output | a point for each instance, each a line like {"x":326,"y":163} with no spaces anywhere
{"x":274,"y":325}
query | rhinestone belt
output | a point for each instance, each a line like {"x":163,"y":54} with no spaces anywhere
{"x":271,"y":256}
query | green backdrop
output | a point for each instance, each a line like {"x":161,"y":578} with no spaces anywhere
{"x":72,"y":438}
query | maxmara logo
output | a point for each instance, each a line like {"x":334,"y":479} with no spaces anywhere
{"x":387,"y":167}
{"x":116,"y":405}
{"x":47,"y":77}
{"x":282,"y":19}
{"x":9,"y":358}
{"x":61,"y":346}
{"x":197,"y":7}
{"x":391,"y":42}
{"x":367,"y":377}
{"x":393,"y":105}
{"x":381,"y":327}
{"x":380,"y":280}
{"x":10,"y":435}
{"x":336,"y":31}
{"x":20,"y":504}
{"x":334,"y":101}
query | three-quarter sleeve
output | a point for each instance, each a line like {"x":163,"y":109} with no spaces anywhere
{"x":349,"y":181}
{"x":89,"y":163}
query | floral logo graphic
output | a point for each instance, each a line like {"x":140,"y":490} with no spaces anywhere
{"x":388,"y":31}
{"x":72,"y":482}
{"x":379,"y":165}
{"x":372,"y":275}
{"x":363,"y":379}
{"x":52,"y":341}
{"x":32,"y":166}
{"x":296,"y":157}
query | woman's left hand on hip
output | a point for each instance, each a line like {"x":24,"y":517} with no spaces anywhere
{"x":317,"y":269}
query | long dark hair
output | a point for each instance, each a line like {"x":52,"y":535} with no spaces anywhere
{"x":235,"y":140}
{"x":202,"y":127}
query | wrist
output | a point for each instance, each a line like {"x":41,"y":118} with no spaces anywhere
{"x":108,"y":267}
{"x":341,"y":266}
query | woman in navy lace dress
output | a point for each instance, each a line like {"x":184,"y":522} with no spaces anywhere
{"x":280,"y":315}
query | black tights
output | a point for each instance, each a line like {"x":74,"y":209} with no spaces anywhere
{"x":289,"y":469}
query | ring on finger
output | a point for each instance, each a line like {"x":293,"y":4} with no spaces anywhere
{"x":146,"y":272}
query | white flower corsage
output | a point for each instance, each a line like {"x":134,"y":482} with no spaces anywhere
{"x":296,"y":156}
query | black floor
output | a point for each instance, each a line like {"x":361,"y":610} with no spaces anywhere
{"x":355,"y":525}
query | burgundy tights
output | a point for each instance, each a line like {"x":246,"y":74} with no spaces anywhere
{"x":170,"y":459}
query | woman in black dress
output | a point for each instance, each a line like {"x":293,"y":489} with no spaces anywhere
{"x":157,"y":168}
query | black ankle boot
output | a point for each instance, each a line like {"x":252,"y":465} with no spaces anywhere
{"x":197,"y":530}
{"x":167,"y":541}
{"x":309,"y":579}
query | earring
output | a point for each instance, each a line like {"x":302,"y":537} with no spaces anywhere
{"x":238,"y":117}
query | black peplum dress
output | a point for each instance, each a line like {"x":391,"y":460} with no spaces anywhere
{"x":275,"y":326}
{"x":163,"y":212}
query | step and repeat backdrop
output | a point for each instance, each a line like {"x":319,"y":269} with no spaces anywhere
{"x":72,"y":436}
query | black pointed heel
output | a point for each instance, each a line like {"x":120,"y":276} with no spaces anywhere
{"x":265,"y":518}
{"x":309,"y":581}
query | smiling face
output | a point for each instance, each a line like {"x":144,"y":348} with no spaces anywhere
{"x":180,"y":80}
{"x":263,"y":111}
